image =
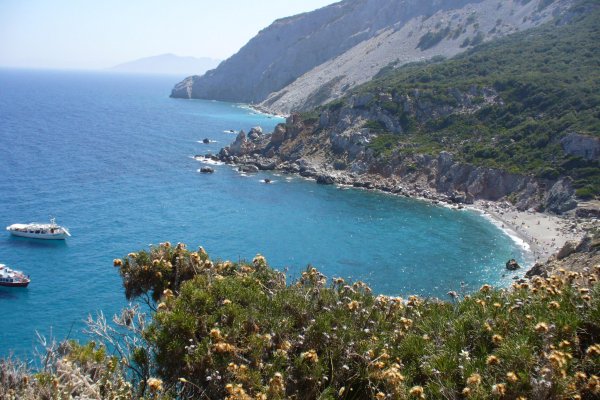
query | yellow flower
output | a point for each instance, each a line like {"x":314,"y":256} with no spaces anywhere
{"x":593,"y":350}
{"x":406,"y":322}
{"x":310,"y":356}
{"x":413,"y":301}
{"x":466,"y":392}
{"x":259,"y":260}
{"x":223,"y":347}
{"x":380,"y":396}
{"x":276,"y":385}
{"x":581,"y":376}
{"x":417,"y":391}
{"x":215,"y":334}
{"x":497,"y":339}
{"x":492,"y":360}
{"x":511,"y":377}
{"x":474,"y":380}
{"x":117,"y":262}
{"x":553,"y":305}
{"x":499,"y":389}
{"x":564,"y":343}
{"x":353,"y":305}
{"x":229,"y":388}
{"x":155,"y":385}
{"x":594,"y":384}
{"x":285,"y":345}
{"x":485,"y":288}
{"x":392,"y":375}
{"x":541,"y":327}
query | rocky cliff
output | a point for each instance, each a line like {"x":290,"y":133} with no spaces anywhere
{"x":337,"y":147}
{"x":305,"y":60}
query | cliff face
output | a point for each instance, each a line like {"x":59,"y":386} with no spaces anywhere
{"x":305,"y":60}
{"x":337,"y":147}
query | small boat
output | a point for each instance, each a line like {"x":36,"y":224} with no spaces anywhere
{"x":12,"y":278}
{"x":39,"y":231}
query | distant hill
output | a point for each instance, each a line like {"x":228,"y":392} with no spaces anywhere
{"x":168,"y":64}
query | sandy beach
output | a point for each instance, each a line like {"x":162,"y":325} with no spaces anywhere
{"x":545,"y":233}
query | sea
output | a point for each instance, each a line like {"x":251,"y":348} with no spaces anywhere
{"x":111,"y":157}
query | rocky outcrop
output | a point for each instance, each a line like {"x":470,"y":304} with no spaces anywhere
{"x":335,"y":148}
{"x":560,"y":197}
{"x":580,"y":257}
{"x":586,"y":147}
{"x":308,"y":59}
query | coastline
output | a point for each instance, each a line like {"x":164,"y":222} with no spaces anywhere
{"x":542,"y":234}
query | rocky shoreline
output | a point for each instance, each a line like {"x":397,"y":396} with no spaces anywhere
{"x":542,"y":234}
{"x":517,"y":204}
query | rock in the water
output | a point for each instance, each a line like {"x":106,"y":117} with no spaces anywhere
{"x":512,"y":265}
{"x":205,"y":141}
{"x":325,"y":180}
{"x":248,"y":168}
{"x":266,"y":180}
{"x":207,"y":170}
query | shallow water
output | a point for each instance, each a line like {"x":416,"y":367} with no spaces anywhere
{"x":111,"y":157}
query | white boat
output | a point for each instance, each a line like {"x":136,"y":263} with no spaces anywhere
{"x":36,"y":230}
{"x":12,"y":278}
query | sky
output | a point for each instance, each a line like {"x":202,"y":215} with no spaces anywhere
{"x":86,"y":34}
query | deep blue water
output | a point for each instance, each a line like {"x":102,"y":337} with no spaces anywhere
{"x":110,"y":156}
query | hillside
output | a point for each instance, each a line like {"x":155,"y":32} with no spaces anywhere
{"x":305,"y":60}
{"x":446,"y":32}
{"x":518,"y":118}
{"x":167,"y":64}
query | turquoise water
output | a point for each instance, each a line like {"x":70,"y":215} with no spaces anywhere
{"x":110,"y":156}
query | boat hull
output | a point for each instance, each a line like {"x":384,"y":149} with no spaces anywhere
{"x":14,"y":284}
{"x":46,"y":236}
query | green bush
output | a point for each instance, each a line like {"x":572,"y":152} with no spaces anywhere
{"x":238,"y":330}
{"x":586,"y":193}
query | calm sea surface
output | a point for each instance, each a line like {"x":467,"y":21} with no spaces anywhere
{"x":110,"y":156}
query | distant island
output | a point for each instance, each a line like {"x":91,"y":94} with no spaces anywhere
{"x":168,"y":64}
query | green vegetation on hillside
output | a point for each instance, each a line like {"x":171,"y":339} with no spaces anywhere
{"x":547,"y":82}
{"x":238,"y":331}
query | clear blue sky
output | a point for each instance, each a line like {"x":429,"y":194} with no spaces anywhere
{"x":86,"y":34}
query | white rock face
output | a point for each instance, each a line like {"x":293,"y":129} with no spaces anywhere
{"x":399,"y":45}
{"x":306,"y":60}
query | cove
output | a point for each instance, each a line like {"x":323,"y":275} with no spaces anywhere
{"x":111,"y":157}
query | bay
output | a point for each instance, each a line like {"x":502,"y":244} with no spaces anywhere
{"x":111,"y":157}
